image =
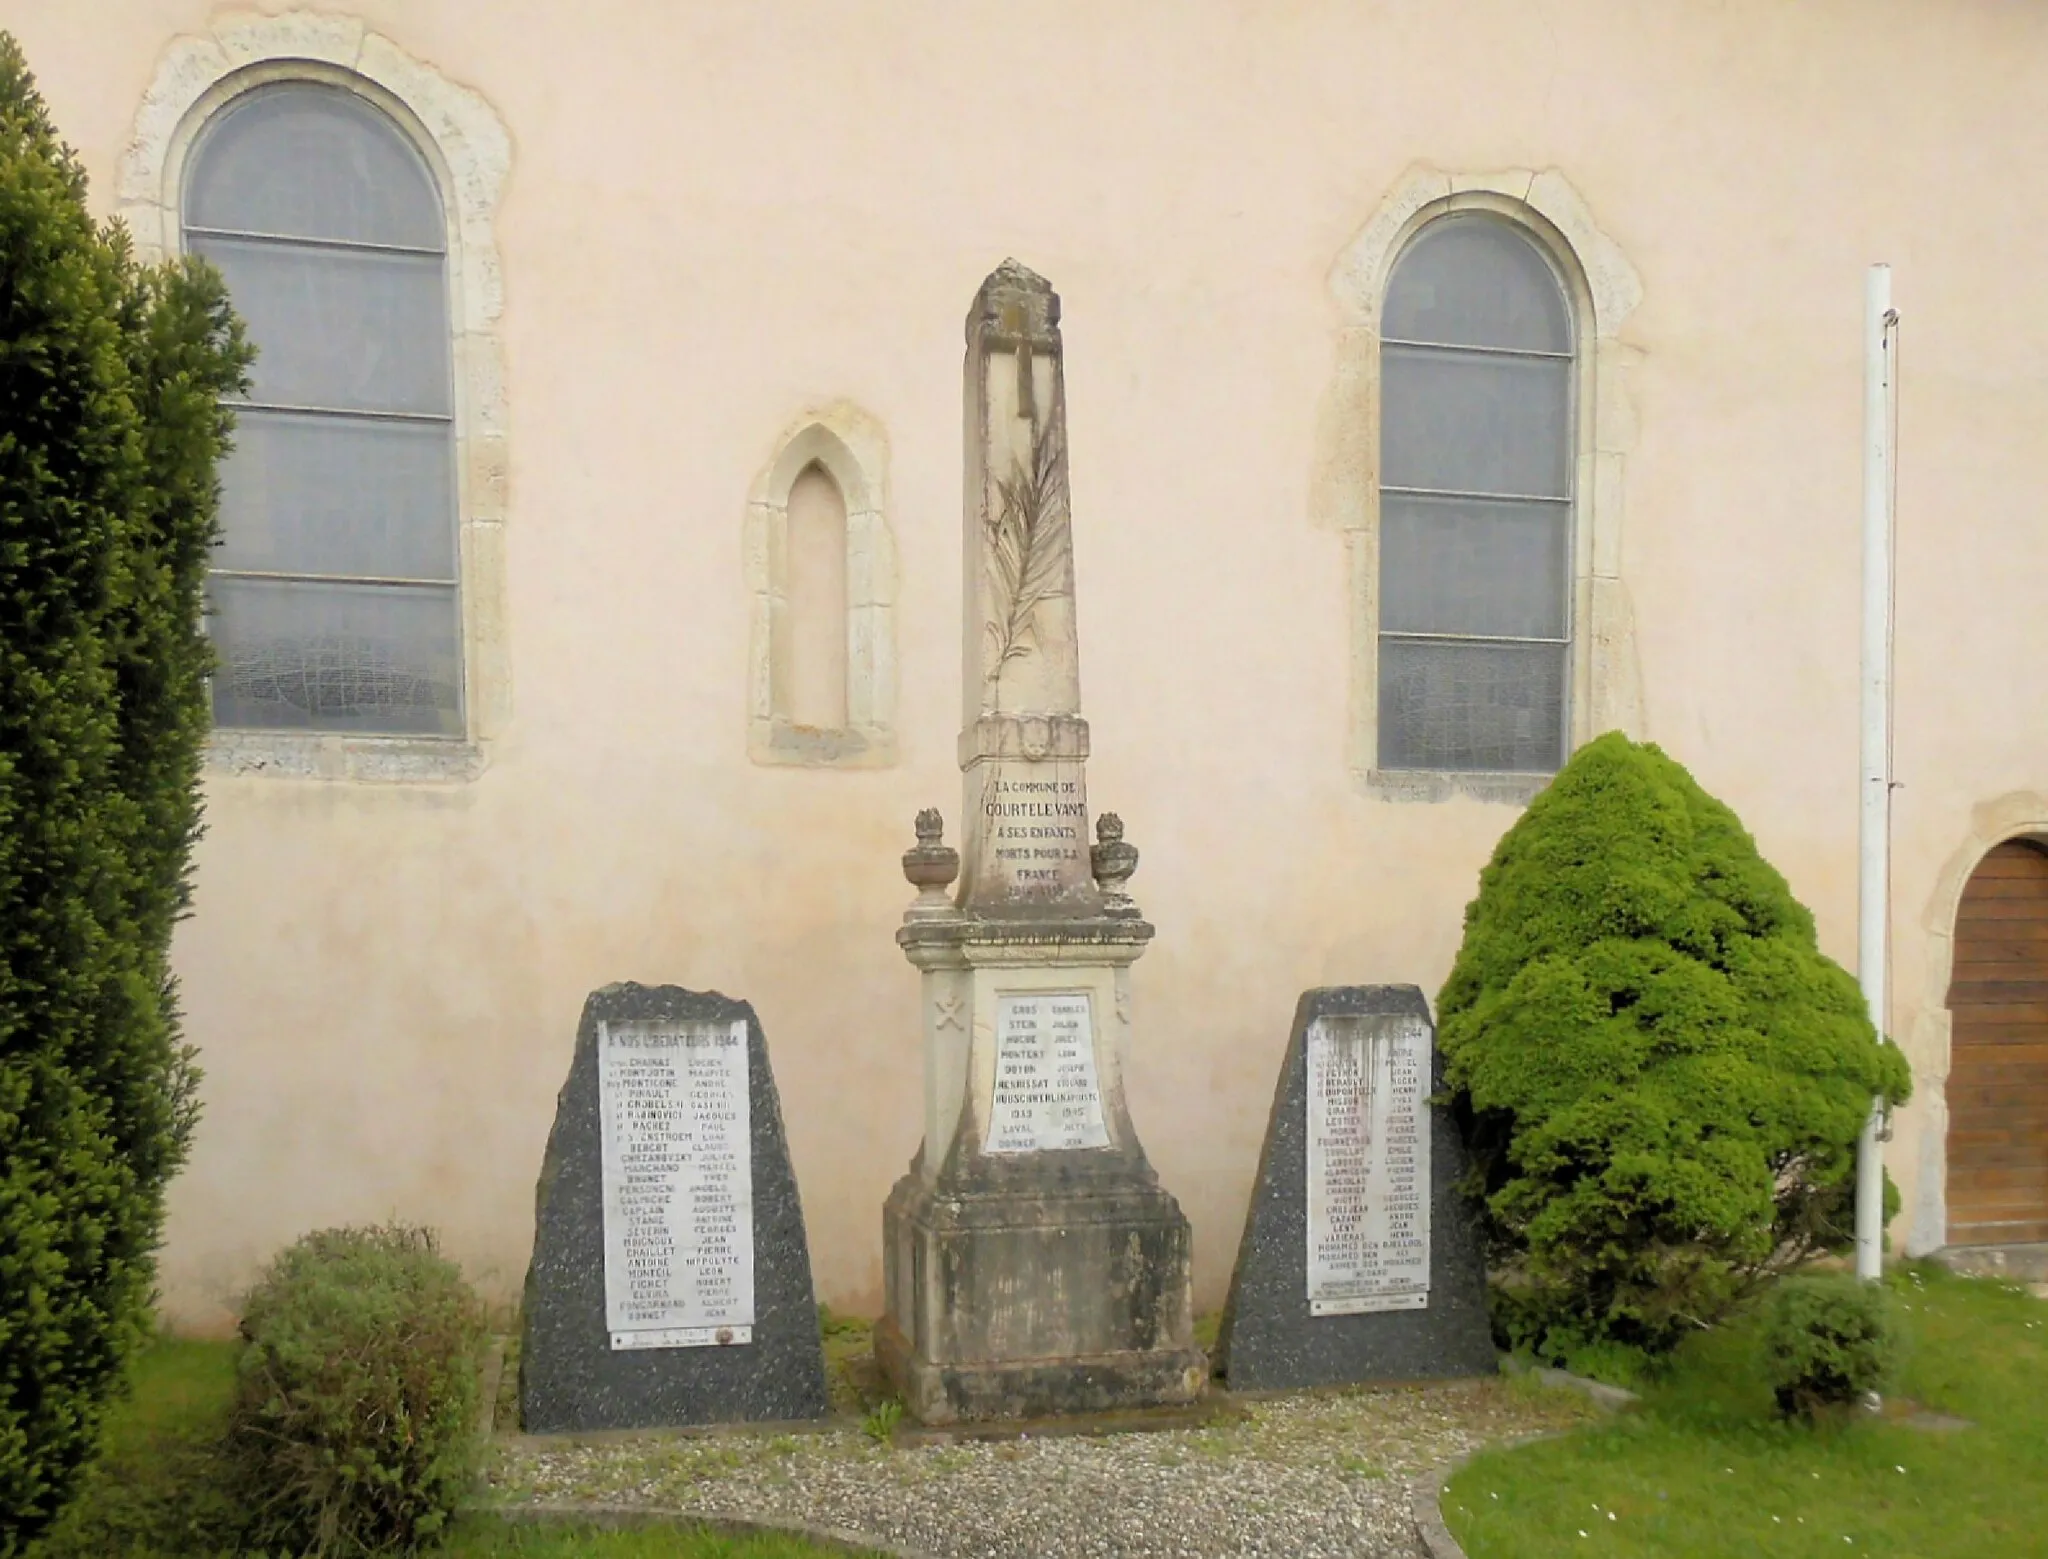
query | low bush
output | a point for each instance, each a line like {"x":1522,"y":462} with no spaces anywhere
{"x":354,"y":1426}
{"x":1661,"y":1076}
{"x":1828,"y":1339}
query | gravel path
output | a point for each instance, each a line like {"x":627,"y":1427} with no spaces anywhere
{"x":1309,"y":1477}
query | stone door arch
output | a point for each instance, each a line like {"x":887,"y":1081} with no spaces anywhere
{"x":1998,"y":1059}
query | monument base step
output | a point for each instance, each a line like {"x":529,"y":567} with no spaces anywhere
{"x":1037,"y":1388}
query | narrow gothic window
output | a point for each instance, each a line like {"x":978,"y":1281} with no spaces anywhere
{"x":817,"y":602}
{"x":335,"y":599}
{"x":1477,"y":452}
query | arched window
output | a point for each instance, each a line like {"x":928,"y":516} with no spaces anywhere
{"x":1477,"y":460}
{"x":335,"y":598}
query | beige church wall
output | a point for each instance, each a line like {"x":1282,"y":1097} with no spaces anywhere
{"x":720,"y":219}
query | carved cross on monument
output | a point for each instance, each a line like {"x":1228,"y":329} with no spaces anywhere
{"x":1023,"y":743}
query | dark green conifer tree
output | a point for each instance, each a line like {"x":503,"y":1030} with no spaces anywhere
{"x":1662,"y":1076}
{"x":111,"y":376}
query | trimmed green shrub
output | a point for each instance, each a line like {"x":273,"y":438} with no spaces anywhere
{"x":1661,"y":1077}
{"x":111,"y":377}
{"x":1828,"y":1339}
{"x":354,"y":1427}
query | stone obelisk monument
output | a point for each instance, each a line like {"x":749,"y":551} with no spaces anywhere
{"x":1033,"y":1262}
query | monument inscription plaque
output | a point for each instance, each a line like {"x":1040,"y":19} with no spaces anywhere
{"x":1368,"y":1166}
{"x":1047,"y":1094}
{"x":1036,"y":824}
{"x":678,"y":1184}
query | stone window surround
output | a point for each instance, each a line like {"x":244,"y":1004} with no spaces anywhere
{"x":468,"y":153}
{"x":850,"y":446}
{"x":1930,"y":1031}
{"x":1603,"y":683}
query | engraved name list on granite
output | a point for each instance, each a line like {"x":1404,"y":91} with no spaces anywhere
{"x":1047,"y":1094}
{"x":1368,"y":1167}
{"x":678,"y":1184}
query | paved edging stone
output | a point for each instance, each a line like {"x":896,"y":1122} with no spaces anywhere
{"x":1611,"y":1399}
{"x":619,"y":1518}
{"x":1426,"y":1495}
{"x":1435,"y":1537}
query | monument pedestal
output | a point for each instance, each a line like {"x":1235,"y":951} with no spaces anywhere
{"x":1039,"y":1267}
{"x":1034,"y":1265}
{"x":1035,"y":1303}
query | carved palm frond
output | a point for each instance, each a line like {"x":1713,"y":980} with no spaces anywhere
{"x":1029,"y":535}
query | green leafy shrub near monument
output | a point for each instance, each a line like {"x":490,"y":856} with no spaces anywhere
{"x":354,"y":1425}
{"x":1660,"y":1075}
{"x":1828,"y":1339}
{"x":111,"y":376}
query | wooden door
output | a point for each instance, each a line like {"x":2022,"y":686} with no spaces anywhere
{"x":1998,"y":1060}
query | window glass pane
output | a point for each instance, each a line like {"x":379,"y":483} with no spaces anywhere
{"x":338,"y":495}
{"x":1488,"y":707}
{"x":1475,"y":424}
{"x":310,"y":161}
{"x":354,"y":330}
{"x":353,"y":658}
{"x":1453,"y":565}
{"x":1476,"y":281}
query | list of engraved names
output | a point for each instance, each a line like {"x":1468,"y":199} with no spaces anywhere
{"x":678,"y":1184}
{"x":1368,"y":1165}
{"x":1046,"y":1093}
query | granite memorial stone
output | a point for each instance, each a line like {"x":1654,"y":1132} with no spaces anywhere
{"x":671,"y":1278}
{"x":1360,"y":1260}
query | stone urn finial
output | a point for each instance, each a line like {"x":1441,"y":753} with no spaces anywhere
{"x":931,"y":867}
{"x":1114,"y":861}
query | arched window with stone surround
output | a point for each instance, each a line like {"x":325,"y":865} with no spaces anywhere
{"x":336,"y":597}
{"x":1478,"y":458}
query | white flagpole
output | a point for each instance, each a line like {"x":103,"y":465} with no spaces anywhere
{"x":1873,"y":834}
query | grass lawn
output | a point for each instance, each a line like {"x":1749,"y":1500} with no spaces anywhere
{"x":149,"y":1499}
{"x":1705,"y":1467}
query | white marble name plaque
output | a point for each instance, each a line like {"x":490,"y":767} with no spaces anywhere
{"x":678,"y":1183}
{"x":1047,"y":1095}
{"x":1368,"y":1165}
